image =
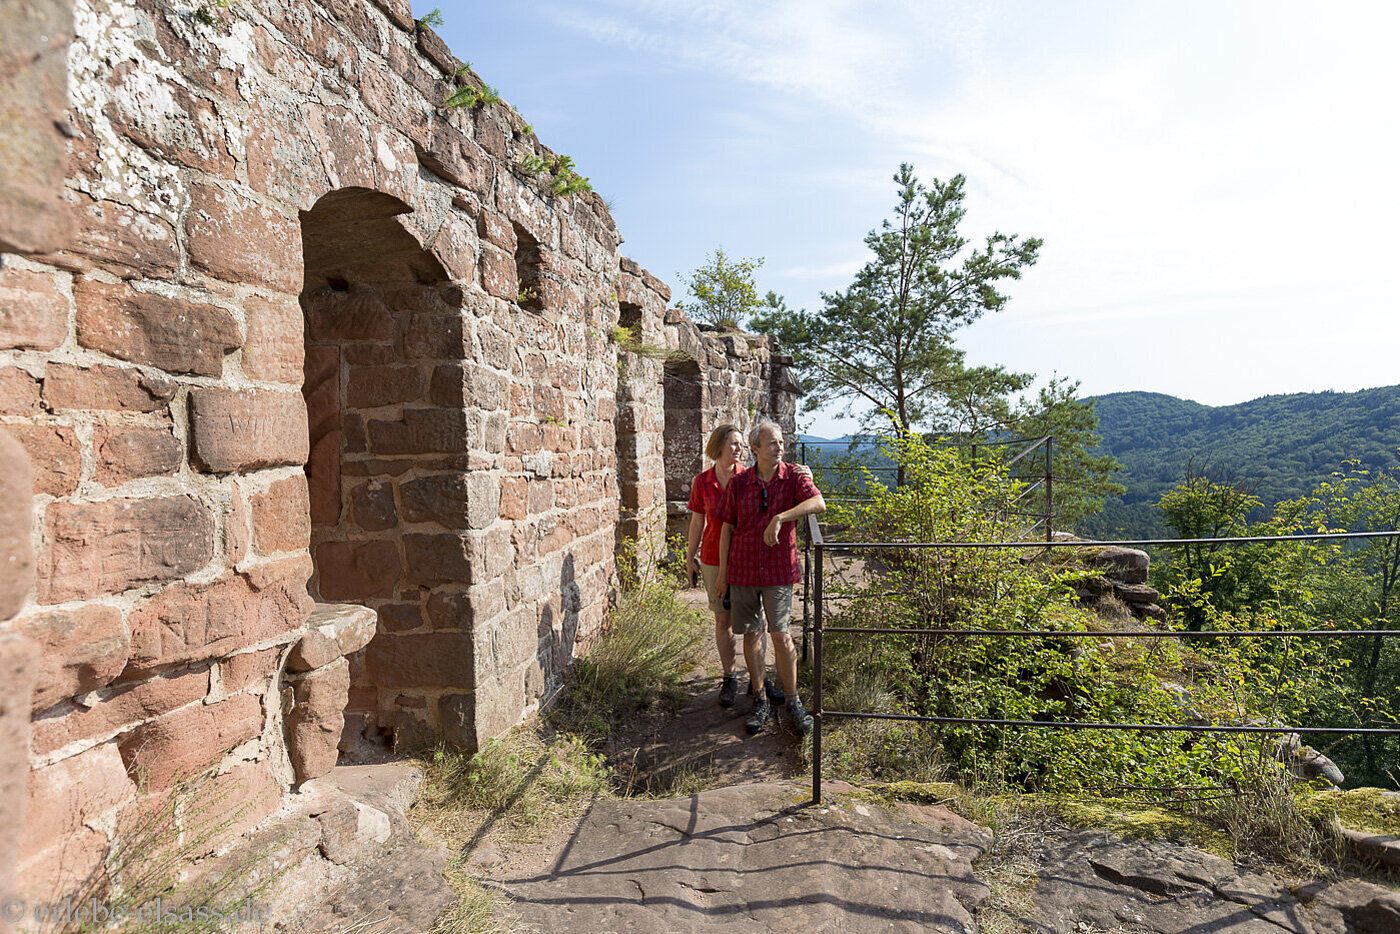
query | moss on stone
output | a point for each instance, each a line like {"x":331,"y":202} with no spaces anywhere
{"x":1369,"y":810}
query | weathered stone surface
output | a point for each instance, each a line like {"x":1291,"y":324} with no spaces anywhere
{"x":372,"y":506}
{"x":104,"y":548}
{"x":750,"y":853}
{"x":316,"y":719}
{"x":354,"y":315}
{"x":274,"y":348}
{"x":374,"y":386}
{"x":420,"y":431}
{"x":108,"y":388}
{"x":441,"y":499}
{"x":54,"y":456}
{"x":237,"y":239}
{"x":124,"y":241}
{"x":358,"y":570}
{"x":127,"y":705}
{"x":437,"y":559}
{"x":19,"y":392}
{"x":18,"y":667}
{"x":1128,"y":565}
{"x":57,"y":850}
{"x":430,"y":659}
{"x":181,"y":744}
{"x":83,"y":649}
{"x":244,"y":429}
{"x":33,"y":313}
{"x":1136,"y":593}
{"x":16,"y":523}
{"x":313,"y":650}
{"x":282,"y":516}
{"x":189,"y":622}
{"x":128,"y":453}
{"x":248,"y":668}
{"x":143,"y":327}
{"x":33,"y":160}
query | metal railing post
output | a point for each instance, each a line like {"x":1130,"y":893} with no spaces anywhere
{"x":817,"y":682}
{"x":1049,"y":481}
{"x":806,"y":587}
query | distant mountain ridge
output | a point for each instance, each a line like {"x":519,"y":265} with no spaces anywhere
{"x":1281,"y":445}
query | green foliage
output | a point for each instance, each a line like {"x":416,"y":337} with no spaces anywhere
{"x":724,"y":292}
{"x":431,"y":19}
{"x":1082,"y":477}
{"x":469,"y":95}
{"x":887,"y":340}
{"x":1120,"y":680}
{"x":1281,"y":446}
{"x":563,"y":180}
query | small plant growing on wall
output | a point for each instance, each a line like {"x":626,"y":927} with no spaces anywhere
{"x":431,"y":19}
{"x":469,"y":95}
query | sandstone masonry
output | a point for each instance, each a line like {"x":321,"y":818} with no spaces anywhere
{"x":333,"y":436}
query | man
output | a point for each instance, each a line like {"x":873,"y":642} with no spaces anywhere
{"x":758,"y":562}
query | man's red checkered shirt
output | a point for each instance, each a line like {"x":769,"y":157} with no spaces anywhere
{"x":751,"y":562}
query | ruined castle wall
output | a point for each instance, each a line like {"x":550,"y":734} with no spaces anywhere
{"x":714,"y":377}
{"x":298,"y":334}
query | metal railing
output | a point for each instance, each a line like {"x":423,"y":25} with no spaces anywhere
{"x":815,"y":576}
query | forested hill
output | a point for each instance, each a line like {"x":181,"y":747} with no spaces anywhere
{"x":1280,"y":445}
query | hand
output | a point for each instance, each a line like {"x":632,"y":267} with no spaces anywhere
{"x":693,"y":567}
{"x":722,"y":582}
{"x":802,"y":470}
{"x":770,"y":534}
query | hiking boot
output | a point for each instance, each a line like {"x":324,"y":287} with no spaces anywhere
{"x":728,"y":690}
{"x":774,"y":691}
{"x":759,"y":718}
{"x":801,"y":719}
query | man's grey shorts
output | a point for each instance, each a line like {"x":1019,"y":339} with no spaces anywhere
{"x":746,"y":604}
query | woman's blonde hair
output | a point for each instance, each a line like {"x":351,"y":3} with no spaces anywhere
{"x":714,"y":447}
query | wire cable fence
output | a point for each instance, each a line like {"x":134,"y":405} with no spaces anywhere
{"x":818,"y":550}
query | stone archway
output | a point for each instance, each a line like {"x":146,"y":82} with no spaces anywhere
{"x":387,"y":471}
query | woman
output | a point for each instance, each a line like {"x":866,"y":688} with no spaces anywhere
{"x":725,"y":447}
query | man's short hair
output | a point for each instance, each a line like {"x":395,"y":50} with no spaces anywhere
{"x":714,"y":447}
{"x":759,"y":427}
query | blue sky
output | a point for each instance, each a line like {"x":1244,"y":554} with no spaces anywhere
{"x":1216,"y":183}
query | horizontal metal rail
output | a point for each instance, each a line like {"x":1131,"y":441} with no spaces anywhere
{"x":1119,"y":634}
{"x":1133,"y":543}
{"x":1134,"y":727}
{"x":815,"y":537}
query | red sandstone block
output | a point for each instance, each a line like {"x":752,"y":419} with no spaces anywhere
{"x":323,"y":476}
{"x":317,"y":719}
{"x":83,"y":650}
{"x":372,"y":505}
{"x":175,"y":335}
{"x":497,"y":228}
{"x":109,"y":388}
{"x":282,"y":516}
{"x":498,"y":274}
{"x":237,"y":239}
{"x":274,"y":348}
{"x":127,"y":705}
{"x":130,"y":243}
{"x":452,"y":155}
{"x":440,"y":498}
{"x":248,"y":668}
{"x":238,"y":526}
{"x":426,"y":660}
{"x":437,"y":337}
{"x":53,"y":453}
{"x":514,"y":498}
{"x":102,"y":548}
{"x":352,"y":571}
{"x":57,"y":849}
{"x":127,"y":453}
{"x":19,"y":392}
{"x":183,"y":743}
{"x":436,"y":559}
{"x":246,"y":429}
{"x":190,"y":622}
{"x":33,"y":313}
{"x":373,"y":386}
{"x":420,"y":431}
{"x":524,"y":438}
{"x":455,"y":247}
{"x":400,"y":13}
{"x":356,"y":315}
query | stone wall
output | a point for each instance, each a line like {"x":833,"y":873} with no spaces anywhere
{"x":288,"y":337}
{"x":716,"y":377}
